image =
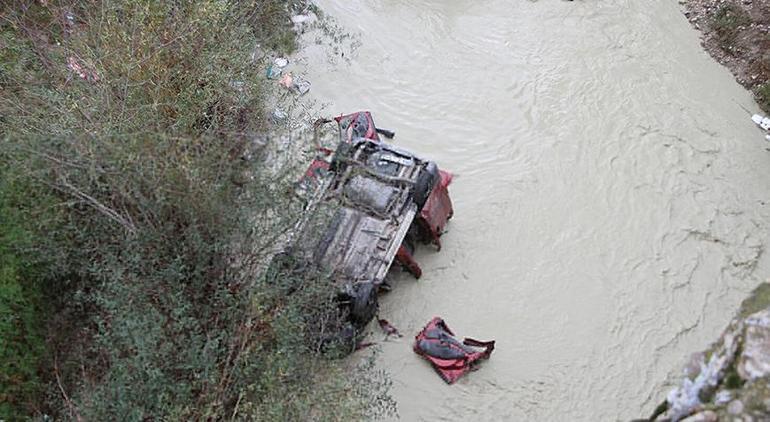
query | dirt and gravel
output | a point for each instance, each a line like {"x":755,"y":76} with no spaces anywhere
{"x":737,"y":34}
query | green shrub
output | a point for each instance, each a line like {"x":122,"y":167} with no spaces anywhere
{"x":21,"y":337}
{"x":127,"y":122}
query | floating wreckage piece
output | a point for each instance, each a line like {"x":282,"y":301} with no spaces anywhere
{"x":449,"y":357}
{"x":388,"y":328}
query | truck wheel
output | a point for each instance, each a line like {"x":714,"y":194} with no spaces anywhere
{"x":426,"y":181}
{"x":364,"y":305}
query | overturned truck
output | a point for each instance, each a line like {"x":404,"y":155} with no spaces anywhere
{"x":369,"y":204}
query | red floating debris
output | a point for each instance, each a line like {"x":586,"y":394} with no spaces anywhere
{"x":448,"y":356}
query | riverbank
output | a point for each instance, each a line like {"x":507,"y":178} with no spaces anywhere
{"x":737,"y":35}
{"x":729,"y":380}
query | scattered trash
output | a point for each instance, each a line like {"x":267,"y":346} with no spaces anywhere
{"x":273,"y":72}
{"x":300,"y":19}
{"x":286,"y":81}
{"x":298,"y":85}
{"x":388,"y":329}
{"x":281,"y":62}
{"x":763,"y":122}
{"x":80,"y":69}
{"x":279,"y":116}
{"x":767,"y":137}
{"x":302,"y":86}
{"x":448,"y":356}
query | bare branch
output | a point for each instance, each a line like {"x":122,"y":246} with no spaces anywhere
{"x":124,"y":221}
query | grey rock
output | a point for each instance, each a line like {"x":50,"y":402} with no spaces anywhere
{"x":722,"y":397}
{"x":686,"y":398}
{"x":735,"y":407}
{"x":754,"y":361}
{"x":693,"y":366}
{"x":705,"y":416}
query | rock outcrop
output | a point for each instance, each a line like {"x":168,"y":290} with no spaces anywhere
{"x":731,"y":380}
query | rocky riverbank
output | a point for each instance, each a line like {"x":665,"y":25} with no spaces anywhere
{"x":730,"y":381}
{"x":737,"y":34}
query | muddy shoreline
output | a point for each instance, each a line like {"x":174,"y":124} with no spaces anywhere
{"x":737,"y":35}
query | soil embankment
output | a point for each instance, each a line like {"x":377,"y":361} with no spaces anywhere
{"x":737,"y":35}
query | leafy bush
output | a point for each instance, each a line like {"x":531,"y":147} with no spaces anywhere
{"x":21,"y":338}
{"x":128,"y":123}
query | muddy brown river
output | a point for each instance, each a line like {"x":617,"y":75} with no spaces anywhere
{"x":610,"y":198}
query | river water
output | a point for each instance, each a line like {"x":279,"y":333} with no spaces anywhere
{"x":610,"y":208}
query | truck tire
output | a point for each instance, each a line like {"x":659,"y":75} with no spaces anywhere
{"x":364,"y":304}
{"x":426,"y":181}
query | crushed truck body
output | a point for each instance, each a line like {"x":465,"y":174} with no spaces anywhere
{"x":369,"y":204}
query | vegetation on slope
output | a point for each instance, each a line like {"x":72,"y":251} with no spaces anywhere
{"x":132,"y":229}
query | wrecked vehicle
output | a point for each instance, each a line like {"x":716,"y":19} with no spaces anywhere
{"x":369,"y":203}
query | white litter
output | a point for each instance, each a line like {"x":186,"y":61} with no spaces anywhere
{"x":763,"y":122}
{"x":281,"y":62}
